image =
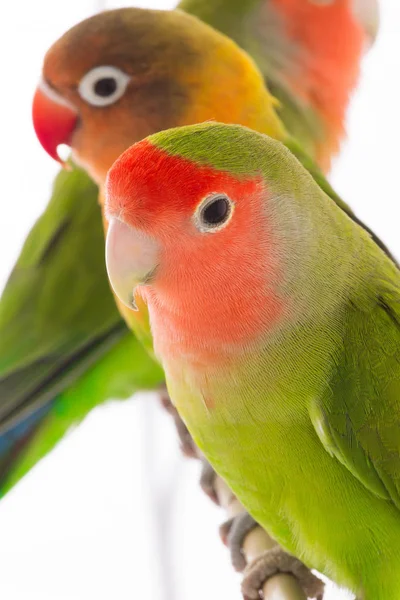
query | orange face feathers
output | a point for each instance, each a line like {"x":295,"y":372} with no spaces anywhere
{"x":129,"y":73}
{"x":122,"y":78}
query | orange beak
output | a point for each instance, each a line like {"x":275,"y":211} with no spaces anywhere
{"x":54,"y":120}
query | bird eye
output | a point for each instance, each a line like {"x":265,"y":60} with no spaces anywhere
{"x":213,"y":213}
{"x":103,"y":86}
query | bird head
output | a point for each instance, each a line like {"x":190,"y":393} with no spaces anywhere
{"x":121,"y":75}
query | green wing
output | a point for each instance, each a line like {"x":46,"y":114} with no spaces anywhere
{"x":59,"y":323}
{"x":56,"y":303}
{"x":358,"y":420}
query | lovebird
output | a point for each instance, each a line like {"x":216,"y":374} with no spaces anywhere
{"x":276,"y":317}
{"x":51,"y":359}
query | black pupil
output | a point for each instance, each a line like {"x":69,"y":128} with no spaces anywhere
{"x":216,"y":212}
{"x":105,"y":87}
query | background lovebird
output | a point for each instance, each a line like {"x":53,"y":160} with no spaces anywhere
{"x":53,"y":361}
{"x":295,"y":403}
{"x":133,"y":82}
{"x":309,"y":53}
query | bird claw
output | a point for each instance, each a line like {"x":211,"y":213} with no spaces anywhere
{"x":233,"y":533}
{"x":273,"y":562}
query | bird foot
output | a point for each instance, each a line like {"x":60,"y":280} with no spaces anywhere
{"x":273,"y":562}
{"x":233,"y":533}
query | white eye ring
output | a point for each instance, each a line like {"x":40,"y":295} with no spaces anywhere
{"x":213,"y":213}
{"x":103,"y":85}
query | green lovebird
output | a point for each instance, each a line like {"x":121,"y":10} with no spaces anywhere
{"x":276,"y":317}
{"x":59,"y":354}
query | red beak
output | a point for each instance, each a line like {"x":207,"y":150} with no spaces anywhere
{"x":54,"y":120}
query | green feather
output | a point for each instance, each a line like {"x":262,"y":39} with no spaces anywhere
{"x":358,"y":410}
{"x":58,"y":323}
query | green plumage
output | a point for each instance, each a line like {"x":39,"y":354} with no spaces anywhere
{"x":55,"y":355}
{"x":58,"y":322}
{"x":304,"y":419}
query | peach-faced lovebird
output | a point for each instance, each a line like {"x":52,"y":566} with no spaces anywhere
{"x":276,"y":317}
{"x":108,"y":82}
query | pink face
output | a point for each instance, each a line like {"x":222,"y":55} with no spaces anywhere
{"x":213,"y":265}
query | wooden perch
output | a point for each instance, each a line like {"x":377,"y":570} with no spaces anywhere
{"x":279,"y":587}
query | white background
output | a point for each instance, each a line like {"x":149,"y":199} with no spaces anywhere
{"x":95,"y":518}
